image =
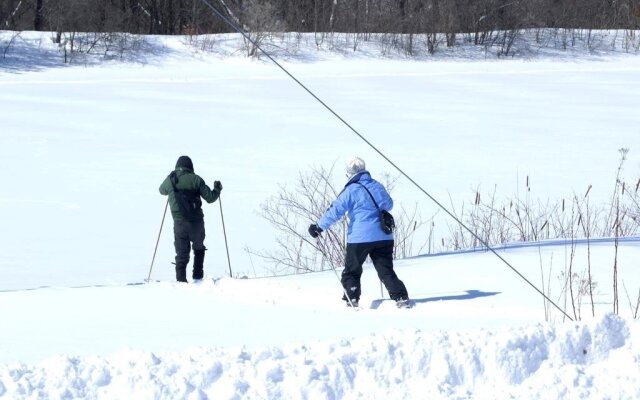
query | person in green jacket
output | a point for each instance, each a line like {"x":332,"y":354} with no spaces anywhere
{"x":185,"y":189}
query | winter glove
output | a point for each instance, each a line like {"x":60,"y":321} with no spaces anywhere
{"x":217,"y":186}
{"x":314,"y":230}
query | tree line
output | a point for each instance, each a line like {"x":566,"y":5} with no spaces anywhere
{"x":173,"y":17}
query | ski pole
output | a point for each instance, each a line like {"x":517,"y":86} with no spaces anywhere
{"x":346,"y":295}
{"x":343,"y":289}
{"x":158,"y":241}
{"x":224,"y":231}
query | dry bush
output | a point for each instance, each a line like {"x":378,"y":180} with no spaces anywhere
{"x":5,"y":46}
{"x":259,"y":19}
{"x":292,"y":210}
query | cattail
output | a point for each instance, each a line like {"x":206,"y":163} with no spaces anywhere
{"x":477,"y":198}
{"x":588,"y":190}
{"x":543,"y":225}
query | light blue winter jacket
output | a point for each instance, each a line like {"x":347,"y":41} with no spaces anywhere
{"x":364,"y":221}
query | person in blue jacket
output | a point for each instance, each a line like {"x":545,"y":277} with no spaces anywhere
{"x":365,"y":236}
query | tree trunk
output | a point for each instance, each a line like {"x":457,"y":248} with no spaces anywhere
{"x":38,"y":20}
{"x":334,"y":4}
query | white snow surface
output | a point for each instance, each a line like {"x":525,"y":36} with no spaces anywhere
{"x":83,"y":149}
{"x":476,"y":332}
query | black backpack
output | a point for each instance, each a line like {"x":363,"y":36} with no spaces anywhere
{"x":188,"y":201}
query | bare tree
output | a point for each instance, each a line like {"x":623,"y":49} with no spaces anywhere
{"x":260,"y":20}
{"x":38,"y":21}
{"x":490,"y":23}
{"x":11,"y":12}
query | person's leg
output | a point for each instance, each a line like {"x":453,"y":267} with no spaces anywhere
{"x":382,"y":257}
{"x":183,"y":248}
{"x":354,"y":258}
{"x":197,"y":235}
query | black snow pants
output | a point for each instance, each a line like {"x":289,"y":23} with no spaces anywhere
{"x":381,"y":254}
{"x":187,"y":235}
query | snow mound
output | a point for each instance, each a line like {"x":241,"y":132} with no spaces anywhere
{"x":571,"y":360}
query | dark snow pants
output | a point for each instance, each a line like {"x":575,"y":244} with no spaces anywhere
{"x":187,"y":235}
{"x":381,"y":254}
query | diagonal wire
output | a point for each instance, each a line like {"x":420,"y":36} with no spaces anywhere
{"x":482,"y":241}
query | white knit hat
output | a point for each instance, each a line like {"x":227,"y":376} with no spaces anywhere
{"x":355,"y":166}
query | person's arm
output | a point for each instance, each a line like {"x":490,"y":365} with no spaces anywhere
{"x":165,"y":187}
{"x":337,"y":209}
{"x":208,"y":194}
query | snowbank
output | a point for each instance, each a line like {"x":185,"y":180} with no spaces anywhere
{"x":597,"y":359}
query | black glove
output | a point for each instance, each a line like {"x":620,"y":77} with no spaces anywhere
{"x":217,"y":186}
{"x":314,"y":230}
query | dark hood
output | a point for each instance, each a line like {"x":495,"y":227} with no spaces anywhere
{"x":184,"y":162}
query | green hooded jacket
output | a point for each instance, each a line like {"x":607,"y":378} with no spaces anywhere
{"x":187,"y":180}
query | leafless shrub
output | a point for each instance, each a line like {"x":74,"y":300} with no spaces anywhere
{"x":546,"y":286}
{"x":518,"y":219}
{"x":260,"y":21}
{"x":633,"y":307}
{"x":292,"y":210}
{"x":496,"y":222}
{"x":579,"y":287}
{"x":586,"y":221}
{"x":616,"y":217}
{"x":7,"y":45}
{"x":630,"y":40}
{"x":79,"y":46}
{"x":204,"y":43}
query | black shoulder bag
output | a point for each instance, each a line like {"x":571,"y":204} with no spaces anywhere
{"x":386,"y":219}
{"x":188,"y":201}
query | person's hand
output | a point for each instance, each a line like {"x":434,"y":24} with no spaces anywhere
{"x":314,"y":230}
{"x":217,"y":185}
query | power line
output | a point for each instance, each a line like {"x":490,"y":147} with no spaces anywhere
{"x":241,"y":31}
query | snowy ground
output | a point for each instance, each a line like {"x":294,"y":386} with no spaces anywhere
{"x":84,"y":195}
{"x":477,"y":331}
{"x":84,"y":149}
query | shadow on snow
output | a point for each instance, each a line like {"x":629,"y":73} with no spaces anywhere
{"x":29,"y":55}
{"x":470,"y":295}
